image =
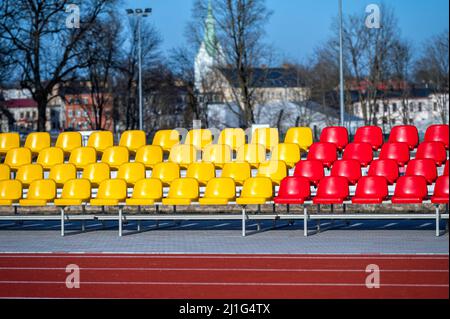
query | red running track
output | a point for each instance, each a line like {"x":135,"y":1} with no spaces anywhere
{"x":223,"y":276}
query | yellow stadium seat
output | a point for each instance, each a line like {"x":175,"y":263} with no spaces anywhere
{"x":76,"y":192}
{"x":10,"y":192}
{"x":183,"y":155}
{"x":302,"y":136}
{"x":96,"y":173}
{"x":289,"y":153}
{"x":218,"y":154}
{"x":238,"y":171}
{"x":266,"y":136}
{"x":166,"y":172}
{"x":233,"y":137}
{"x":256,"y":191}
{"x":17,"y":157}
{"x":115,"y":156}
{"x":110,"y":193}
{"x":8,"y":141}
{"x":202,"y":172}
{"x":131,"y":173}
{"x":150,"y":155}
{"x":29,"y":173}
{"x":133,"y":140}
{"x":166,"y":139}
{"x":275,"y":170}
{"x":183,"y":192}
{"x":63,"y":173}
{"x":82,"y":157}
{"x":50,"y":156}
{"x":146,"y":193}
{"x":41,"y":193}
{"x":219,"y":191}
{"x":254,"y":154}
{"x":68,"y":141}
{"x":199,"y":138}
{"x":101,"y":140}
{"x":5,"y":172}
{"x":37,"y":141}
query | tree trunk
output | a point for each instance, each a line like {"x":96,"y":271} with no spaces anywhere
{"x":42,"y":114}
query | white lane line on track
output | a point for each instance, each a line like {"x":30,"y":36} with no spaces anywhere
{"x":221,"y":225}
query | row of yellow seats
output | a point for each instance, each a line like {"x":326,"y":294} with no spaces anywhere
{"x":146,"y":192}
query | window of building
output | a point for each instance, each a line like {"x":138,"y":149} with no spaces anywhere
{"x":385,"y":120}
{"x":420,"y":106}
{"x":21,"y":115}
{"x":435,"y":106}
{"x":411,"y":107}
{"x":85,"y":114}
{"x":78,"y":113}
{"x":385,"y":108}
{"x":377,"y":108}
{"x":393,"y":121}
{"x":70,"y":113}
{"x":394,"y":107}
{"x":85,"y":101}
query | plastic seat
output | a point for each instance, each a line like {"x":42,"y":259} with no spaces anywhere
{"x":385,"y":168}
{"x":372,"y":135}
{"x":8,"y":141}
{"x":233,"y":137}
{"x":63,"y":173}
{"x":293,"y":190}
{"x":350,"y":169}
{"x":166,"y":139}
{"x":405,"y":134}
{"x":310,"y":169}
{"x":82,"y":157}
{"x":76,"y":192}
{"x":49,"y":157}
{"x":96,"y":173}
{"x":254,"y":154}
{"x":337,"y":135}
{"x":362,"y":152}
{"x":29,"y":173}
{"x":101,"y":140}
{"x":410,"y":190}
{"x":446,"y":168}
{"x":302,"y":136}
{"x":256,"y":191}
{"x":149,"y":155}
{"x":432,"y":150}
{"x":10,"y":192}
{"x":371,"y":190}
{"x":133,"y":140}
{"x":237,"y":171}
{"x":68,"y":141}
{"x":166,"y":172}
{"x":438,"y":133}
{"x":219,"y":191}
{"x":115,"y":156}
{"x":40,"y":193}
{"x":131,"y":173}
{"x":396,"y":151}
{"x":5,"y":172}
{"x":183,"y":155}
{"x":146,"y":192}
{"x":218,"y":154}
{"x":37,"y":141}
{"x":332,"y":190}
{"x":422,"y":167}
{"x":289,"y":153}
{"x":111,"y":192}
{"x":183,"y":192}
{"x":324,"y":152}
{"x":268,"y":137}
{"x":17,"y":157}
{"x":275,"y":170}
{"x":202,"y":172}
{"x":199,"y":138}
{"x":441,"y":191}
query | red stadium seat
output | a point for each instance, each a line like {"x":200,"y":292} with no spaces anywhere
{"x":332,"y":190}
{"x":371,"y":190}
{"x":324,"y":152}
{"x":385,"y":168}
{"x":405,"y":134}
{"x":432,"y":150}
{"x":441,"y":192}
{"x":446,"y":168}
{"x":310,"y":169}
{"x":396,"y":151}
{"x":337,"y":135}
{"x":438,"y":133}
{"x":293,"y":190}
{"x":370,"y":134}
{"x":362,"y":152}
{"x":422,"y":167}
{"x":410,"y":190}
{"x":350,"y":169}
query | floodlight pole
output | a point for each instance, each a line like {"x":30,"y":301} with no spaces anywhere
{"x":341,"y":64}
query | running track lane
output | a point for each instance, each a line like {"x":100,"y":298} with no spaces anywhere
{"x":223,"y":276}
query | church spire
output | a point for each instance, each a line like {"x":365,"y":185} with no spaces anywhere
{"x":210,"y":33}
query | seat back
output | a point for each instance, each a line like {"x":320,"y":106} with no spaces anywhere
{"x":77,"y":189}
{"x":167,"y":172}
{"x":202,"y":172}
{"x":131,"y":172}
{"x":405,"y":134}
{"x":258,"y":187}
{"x":396,"y":151}
{"x":68,"y":141}
{"x":133,"y":140}
{"x":166,"y":139}
{"x":337,"y":135}
{"x":441,"y":191}
{"x":432,"y":150}
{"x":115,"y":156}
{"x":37,"y":141}
{"x":438,"y":133}
{"x":101,"y":140}
{"x":5,"y":172}
{"x":422,"y":167}
{"x":295,"y":187}
{"x":149,"y":155}
{"x":350,"y":169}
{"x":446,"y":168}
{"x":385,"y":168}
{"x":43,"y":189}
{"x":254,"y":154}
{"x":362,"y":152}
{"x":199,"y":138}
{"x":370,"y":134}
{"x":114,"y":189}
{"x":333,"y":187}
{"x":184,"y":188}
{"x":324,"y":152}
{"x":29,"y":173}
{"x":62,"y":173}
{"x":275,"y":170}
{"x":8,"y":141}
{"x":49,"y":157}
{"x":221,"y":188}
{"x":83,"y":156}
{"x":372,"y":187}
{"x":219,"y":154}
{"x":96,"y":173}
{"x":289,"y":153}
{"x":233,"y":137}
{"x":10,"y":190}
{"x":268,"y":137}
{"x":411,"y":187}
{"x":150,"y":188}
{"x":302,"y":136}
{"x":183,"y":155}
{"x":17,"y":157}
{"x":237,"y":171}
{"x":310,"y":169}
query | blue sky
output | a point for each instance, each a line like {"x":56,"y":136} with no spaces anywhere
{"x":298,"y":26}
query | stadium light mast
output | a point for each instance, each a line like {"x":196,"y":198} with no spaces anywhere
{"x":341,"y":64}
